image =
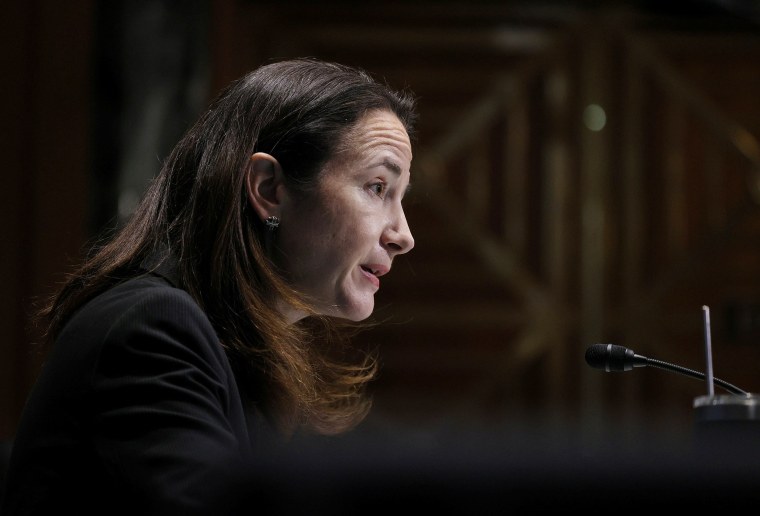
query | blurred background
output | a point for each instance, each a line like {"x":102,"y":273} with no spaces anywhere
{"x":585,"y":172}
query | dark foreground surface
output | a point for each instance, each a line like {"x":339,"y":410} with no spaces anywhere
{"x":388,"y":471}
{"x":479,"y":473}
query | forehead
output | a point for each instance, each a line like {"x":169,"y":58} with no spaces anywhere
{"x":377,"y":131}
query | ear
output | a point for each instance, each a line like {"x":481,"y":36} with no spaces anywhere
{"x":264,"y":182}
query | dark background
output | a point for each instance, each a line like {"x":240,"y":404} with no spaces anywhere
{"x":484,"y":341}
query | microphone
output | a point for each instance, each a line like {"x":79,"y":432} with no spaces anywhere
{"x":614,"y":358}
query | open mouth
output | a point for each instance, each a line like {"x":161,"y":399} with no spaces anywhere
{"x":369,"y":270}
{"x":372,"y":275}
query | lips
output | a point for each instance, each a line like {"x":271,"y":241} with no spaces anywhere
{"x":373,"y":272}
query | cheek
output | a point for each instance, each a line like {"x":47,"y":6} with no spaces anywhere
{"x":354,"y":228}
{"x":307,"y":241}
{"x":328,"y":230}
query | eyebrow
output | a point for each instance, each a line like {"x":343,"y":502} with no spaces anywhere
{"x":393,"y":167}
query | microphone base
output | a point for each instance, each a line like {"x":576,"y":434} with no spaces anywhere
{"x":728,"y":422}
{"x":727,"y":407}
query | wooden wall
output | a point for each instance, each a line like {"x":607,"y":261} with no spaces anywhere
{"x":47,"y":53}
{"x":45,"y":147}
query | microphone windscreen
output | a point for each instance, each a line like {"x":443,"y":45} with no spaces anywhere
{"x":610,"y":357}
{"x":597,"y":356}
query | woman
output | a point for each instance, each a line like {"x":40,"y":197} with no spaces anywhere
{"x":217,"y":306}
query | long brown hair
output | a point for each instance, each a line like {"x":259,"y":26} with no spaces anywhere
{"x":196,"y":210}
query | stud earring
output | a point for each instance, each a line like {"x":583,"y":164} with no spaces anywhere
{"x":272,"y":222}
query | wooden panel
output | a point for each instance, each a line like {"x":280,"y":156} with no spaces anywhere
{"x":46,"y":148}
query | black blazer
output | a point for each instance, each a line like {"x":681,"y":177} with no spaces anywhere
{"x":136,"y":411}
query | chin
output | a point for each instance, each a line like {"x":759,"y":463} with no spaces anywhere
{"x":356,"y":312}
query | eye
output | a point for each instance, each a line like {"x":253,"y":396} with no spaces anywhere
{"x":379,"y":189}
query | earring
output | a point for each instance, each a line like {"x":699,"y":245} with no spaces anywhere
{"x":272,"y":222}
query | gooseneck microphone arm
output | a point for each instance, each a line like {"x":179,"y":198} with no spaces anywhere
{"x":618,"y":358}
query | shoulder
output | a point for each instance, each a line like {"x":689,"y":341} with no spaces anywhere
{"x":146,"y":295}
{"x":150,"y":342}
{"x":143,"y":317}
{"x":145,"y":299}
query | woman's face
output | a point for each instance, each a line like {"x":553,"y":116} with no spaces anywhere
{"x":340,"y":238}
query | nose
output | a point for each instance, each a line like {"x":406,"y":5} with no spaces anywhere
{"x":397,"y":237}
